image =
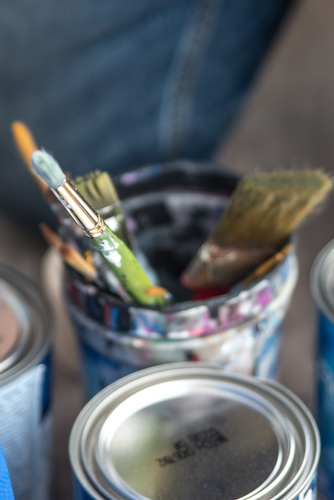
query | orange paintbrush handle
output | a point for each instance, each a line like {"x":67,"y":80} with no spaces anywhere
{"x":26,"y":145}
{"x":78,"y":262}
{"x":267,"y":265}
{"x":68,"y":253}
{"x":50,"y":236}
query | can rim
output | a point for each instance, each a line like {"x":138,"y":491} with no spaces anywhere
{"x":10,"y":297}
{"x":39,"y":310}
{"x":313,"y":425}
{"x":316,"y":278}
{"x":133,"y":381}
{"x":165,"y":342}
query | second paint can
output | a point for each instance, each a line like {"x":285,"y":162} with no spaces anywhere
{"x":193,"y":432}
{"x":25,"y":385}
{"x":322,"y":285}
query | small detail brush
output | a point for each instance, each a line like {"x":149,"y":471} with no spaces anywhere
{"x":26,"y":145}
{"x":50,"y":236}
{"x":118,"y":256}
{"x":264,"y":210}
{"x":71,"y":256}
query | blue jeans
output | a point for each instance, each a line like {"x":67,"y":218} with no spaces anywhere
{"x":115,"y":84}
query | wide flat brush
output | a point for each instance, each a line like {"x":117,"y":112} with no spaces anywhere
{"x":97,"y":188}
{"x":264,"y":210}
{"x":114,"y":251}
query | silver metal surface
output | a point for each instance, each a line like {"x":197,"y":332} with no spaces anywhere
{"x":33,"y":324}
{"x":191,"y":431}
{"x":17,"y":328}
{"x":322,"y":280}
{"x":79,"y":209}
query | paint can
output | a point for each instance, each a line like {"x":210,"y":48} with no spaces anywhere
{"x":194,"y":432}
{"x":171,"y":209}
{"x":6,"y":491}
{"x":322,"y":286}
{"x":25,"y":365}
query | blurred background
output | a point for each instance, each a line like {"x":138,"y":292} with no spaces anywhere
{"x":288,"y":121}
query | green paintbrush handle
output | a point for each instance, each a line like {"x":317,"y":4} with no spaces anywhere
{"x":126,"y":267}
{"x":114,"y":251}
{"x":116,"y":218}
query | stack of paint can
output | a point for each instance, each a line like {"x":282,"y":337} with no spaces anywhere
{"x":191,"y":431}
{"x":25,"y":409}
{"x":322,"y":284}
{"x":195,"y":427}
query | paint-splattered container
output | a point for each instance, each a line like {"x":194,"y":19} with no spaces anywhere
{"x":25,"y":364}
{"x":322,"y":285}
{"x":194,"y":432}
{"x":171,"y":209}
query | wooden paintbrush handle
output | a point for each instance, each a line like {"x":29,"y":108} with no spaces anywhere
{"x":268,"y":265}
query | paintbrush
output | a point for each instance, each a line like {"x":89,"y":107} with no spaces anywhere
{"x":99,"y":190}
{"x":114,"y":251}
{"x":264,"y":210}
{"x":26,"y":145}
{"x":112,"y":282}
{"x":107,"y":274}
{"x":73,"y":258}
{"x":267,"y":265}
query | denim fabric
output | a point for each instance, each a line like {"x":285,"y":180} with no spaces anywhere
{"x":6,"y":492}
{"x":115,"y":84}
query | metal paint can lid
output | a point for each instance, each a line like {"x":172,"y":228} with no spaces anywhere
{"x":25,"y":324}
{"x":322,"y":280}
{"x":191,"y":431}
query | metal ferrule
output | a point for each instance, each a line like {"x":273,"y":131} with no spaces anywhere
{"x":79,"y":209}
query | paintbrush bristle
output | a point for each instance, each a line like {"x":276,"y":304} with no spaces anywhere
{"x":46,"y":167}
{"x":97,"y":188}
{"x":266,"y":208}
{"x":26,"y":145}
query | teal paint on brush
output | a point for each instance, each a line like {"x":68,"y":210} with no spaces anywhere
{"x":46,"y":167}
{"x":114,"y":251}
